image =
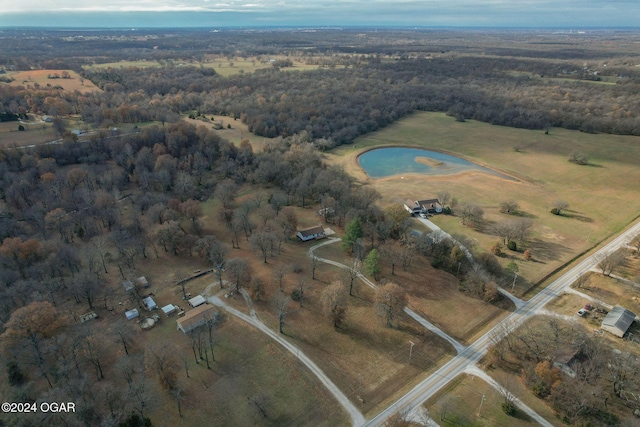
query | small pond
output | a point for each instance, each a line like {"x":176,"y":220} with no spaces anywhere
{"x":384,"y":162}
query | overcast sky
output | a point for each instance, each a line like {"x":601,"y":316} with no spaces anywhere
{"x":221,"y":13}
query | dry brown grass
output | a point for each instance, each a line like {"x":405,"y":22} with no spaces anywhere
{"x":458,"y":404}
{"x":29,"y":78}
{"x":541,"y":165}
{"x":612,"y":291}
{"x":37,"y":133}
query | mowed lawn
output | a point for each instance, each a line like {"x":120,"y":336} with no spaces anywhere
{"x":603,"y":196}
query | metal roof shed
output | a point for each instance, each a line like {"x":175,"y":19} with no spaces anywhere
{"x":169,"y":309}
{"x":132,"y":314}
{"x":618,"y":321}
{"x":150,"y":303}
{"x":197,"y":300}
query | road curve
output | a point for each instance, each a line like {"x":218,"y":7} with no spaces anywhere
{"x":472,"y":354}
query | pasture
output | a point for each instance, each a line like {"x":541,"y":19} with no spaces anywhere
{"x":603,"y":196}
{"x":224,"y":66}
{"x":40,"y":78}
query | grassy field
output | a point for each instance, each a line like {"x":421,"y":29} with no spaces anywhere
{"x":223,"y":65}
{"x":235,"y":134}
{"x":602,"y":196}
{"x":35,"y":133}
{"x":30,"y":78}
{"x":459,"y":405}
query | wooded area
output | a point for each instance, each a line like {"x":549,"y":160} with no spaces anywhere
{"x":137,"y":182}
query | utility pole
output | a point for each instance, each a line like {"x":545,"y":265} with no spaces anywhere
{"x":410,"y":351}
{"x":481,"y":402}
{"x":515,"y":276}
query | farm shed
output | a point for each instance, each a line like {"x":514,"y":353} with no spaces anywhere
{"x":132,"y":314}
{"x":196,"y":301}
{"x":169,"y":309}
{"x":149,"y":303}
{"x":142,"y":281}
{"x":316,"y":232}
{"x":618,"y":321}
{"x":128,"y":285}
{"x":196,"y":318}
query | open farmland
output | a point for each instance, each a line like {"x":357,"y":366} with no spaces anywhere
{"x":603,"y":196}
{"x":43,"y":80}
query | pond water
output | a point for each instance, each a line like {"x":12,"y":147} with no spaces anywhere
{"x":389,"y":161}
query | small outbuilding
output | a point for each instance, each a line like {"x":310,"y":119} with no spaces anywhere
{"x":169,"y":309}
{"x":132,"y":314}
{"x":311,"y":233}
{"x":142,"y":281}
{"x":197,"y":301}
{"x":618,"y":321}
{"x":128,"y":285}
{"x":196,"y":318}
{"x":149,"y":303}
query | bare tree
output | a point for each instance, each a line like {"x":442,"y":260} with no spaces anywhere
{"x":392,"y":254}
{"x":279,"y":272}
{"x":282,"y":308}
{"x":314,"y":264}
{"x":264,"y":241}
{"x":471,"y":214}
{"x":509,"y":206}
{"x":352,"y":273}
{"x":390,"y":301}
{"x":240,"y":272}
{"x":608,"y":262}
{"x":444,"y":197}
{"x":334,"y":303}
{"x":558,"y":206}
{"x":218,"y":257}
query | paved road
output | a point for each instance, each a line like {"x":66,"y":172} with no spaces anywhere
{"x":356,"y":417}
{"x":477,"y":350}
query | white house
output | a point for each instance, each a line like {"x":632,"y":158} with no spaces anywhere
{"x":311,"y":233}
{"x":618,"y":321}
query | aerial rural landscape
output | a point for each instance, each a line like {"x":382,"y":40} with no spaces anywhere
{"x":319,"y":226}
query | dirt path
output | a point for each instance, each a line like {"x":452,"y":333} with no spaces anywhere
{"x":356,"y":417}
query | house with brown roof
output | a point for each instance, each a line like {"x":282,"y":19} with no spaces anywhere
{"x":311,"y":233}
{"x":196,"y":318}
{"x":415,"y":207}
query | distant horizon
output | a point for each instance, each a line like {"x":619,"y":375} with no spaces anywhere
{"x":570,"y":14}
